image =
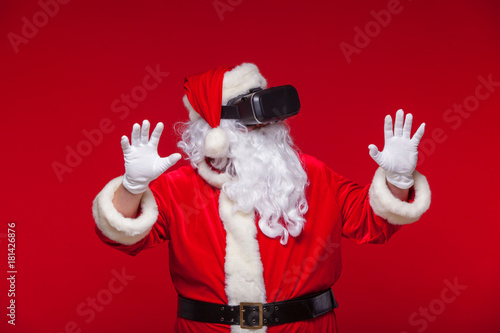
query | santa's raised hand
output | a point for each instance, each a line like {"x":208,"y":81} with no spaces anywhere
{"x":400,"y":154}
{"x":142,"y":162}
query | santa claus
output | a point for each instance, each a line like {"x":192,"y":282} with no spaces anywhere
{"x":254,"y":227}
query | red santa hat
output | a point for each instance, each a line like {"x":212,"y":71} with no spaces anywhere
{"x":207,"y":92}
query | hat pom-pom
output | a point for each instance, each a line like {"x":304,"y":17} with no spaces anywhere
{"x":216,"y":143}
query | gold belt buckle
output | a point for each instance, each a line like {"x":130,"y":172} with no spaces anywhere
{"x":261,"y":316}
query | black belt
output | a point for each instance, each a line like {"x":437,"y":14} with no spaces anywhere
{"x":256,"y":315}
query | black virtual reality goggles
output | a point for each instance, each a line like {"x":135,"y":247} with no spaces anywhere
{"x":263,"y":106}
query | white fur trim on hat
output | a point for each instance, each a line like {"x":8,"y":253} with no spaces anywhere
{"x":395,"y":211}
{"x":243,"y":266}
{"x":117,"y":227}
{"x":240,"y":80}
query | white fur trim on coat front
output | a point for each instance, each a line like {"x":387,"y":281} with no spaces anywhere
{"x":243,"y":265}
{"x":117,"y":227}
{"x":395,"y":211}
{"x":240,"y":80}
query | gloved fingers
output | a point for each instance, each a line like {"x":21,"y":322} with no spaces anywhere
{"x":418,"y":134}
{"x":407,"y":126}
{"x":167,"y":162}
{"x":388,"y":134}
{"x":155,"y":136}
{"x":145,"y":132}
{"x":172,"y":159}
{"x":135,"y":134}
{"x":373,"y":151}
{"x":398,"y":124}
{"x":125,"y":144}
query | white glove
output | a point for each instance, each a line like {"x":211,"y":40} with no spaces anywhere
{"x":142,"y":162}
{"x":400,"y":154}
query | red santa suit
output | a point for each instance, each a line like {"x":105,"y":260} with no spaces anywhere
{"x":186,"y":209}
{"x":221,"y":256}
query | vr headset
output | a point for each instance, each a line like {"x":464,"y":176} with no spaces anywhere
{"x":263,"y":106}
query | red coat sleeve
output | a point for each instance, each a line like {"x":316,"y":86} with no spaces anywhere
{"x":359,"y":222}
{"x":158,"y":234}
{"x":159,"y":231}
{"x":170,"y":200}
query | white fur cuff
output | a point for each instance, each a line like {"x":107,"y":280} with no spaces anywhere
{"x":117,"y":227}
{"x":243,"y":265}
{"x":395,"y":211}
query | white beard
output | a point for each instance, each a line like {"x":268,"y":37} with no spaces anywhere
{"x":267,"y":175}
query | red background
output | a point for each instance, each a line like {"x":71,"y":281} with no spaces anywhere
{"x":64,"y":79}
